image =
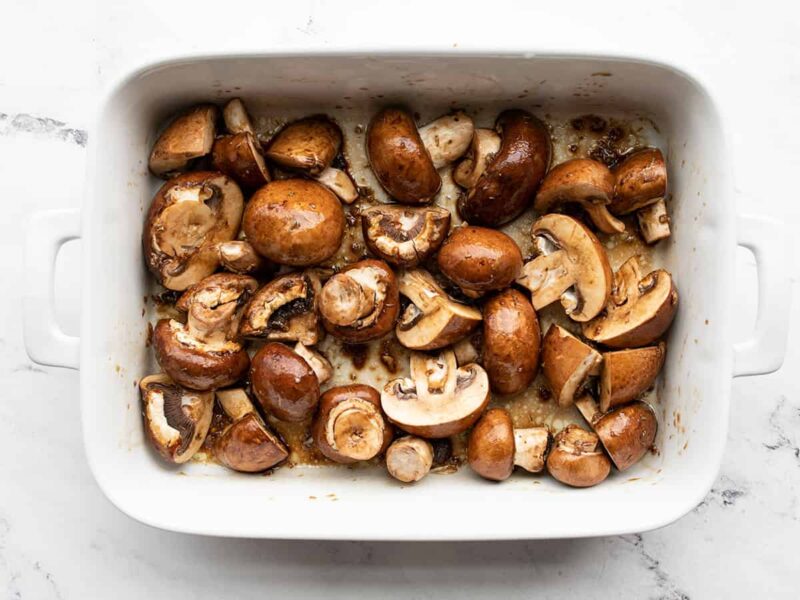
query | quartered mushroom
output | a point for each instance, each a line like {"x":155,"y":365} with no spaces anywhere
{"x":571,"y":265}
{"x":404,"y":236}
{"x":439,"y":399}
{"x":409,"y":458}
{"x":284,"y":383}
{"x":580,"y":181}
{"x":239,"y":256}
{"x":247,"y":444}
{"x":239,"y":156}
{"x":236,"y":118}
{"x":495,"y":447}
{"x":576,"y":458}
{"x":189,"y":137}
{"x":432,"y":320}
{"x":360,"y":302}
{"x":568,"y":364}
{"x":511,"y":174}
{"x":349,"y":426}
{"x":640,"y":309}
{"x":176,"y":420}
{"x":188,"y":217}
{"x":627,"y":374}
{"x":640,"y":186}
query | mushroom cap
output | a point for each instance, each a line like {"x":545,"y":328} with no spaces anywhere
{"x":188,"y":217}
{"x":308,"y":144}
{"x":511,"y":342}
{"x":433,"y":320}
{"x":640,"y":310}
{"x":490,"y":450}
{"x":478,"y":259}
{"x":399,"y":159}
{"x":187,"y":137}
{"x":627,"y":374}
{"x":294,"y":222}
{"x":284,"y":383}
{"x":640,"y":179}
{"x":567,"y":363}
{"x":575,"y":458}
{"x":511,"y":178}
{"x":404,"y":236}
{"x":627,"y":433}
{"x":409,"y":458}
{"x":215,"y":306}
{"x":239,"y":156}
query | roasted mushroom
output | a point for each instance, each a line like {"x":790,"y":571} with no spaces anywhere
{"x":627,"y":374}
{"x":239,"y":256}
{"x":640,"y":185}
{"x":214,"y":306}
{"x":568,"y":364}
{"x":189,"y":137}
{"x":576,"y":459}
{"x":654,"y":221}
{"x":483,"y":147}
{"x":409,"y":458}
{"x":236,"y":118}
{"x":319,"y":364}
{"x":239,"y":156}
{"x":402,"y":235}
{"x":283,"y":382}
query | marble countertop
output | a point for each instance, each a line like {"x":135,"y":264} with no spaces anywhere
{"x":59,"y":536}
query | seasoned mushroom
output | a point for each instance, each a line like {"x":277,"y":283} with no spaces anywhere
{"x":176,"y":420}
{"x":654,"y":221}
{"x":236,"y":118}
{"x":409,"y":458}
{"x":580,"y":181}
{"x":576,"y":458}
{"x":495,"y":447}
{"x":339,"y":183}
{"x":214,"y":306}
{"x":570,"y":265}
{"x":246,"y":445}
{"x":439,"y":399}
{"x":361,"y":302}
{"x":511,"y":340}
{"x":404,"y":236}
{"x":478,"y":259}
{"x":640,"y":310}
{"x":484,"y":145}
{"x":239,"y":256}
{"x":188,"y":137}
{"x":188,"y":217}
{"x":349,"y":426}
{"x":640,"y":186}
{"x":509,"y":181}
{"x":284,"y":383}
{"x":319,"y":364}
{"x":239,"y":156}
{"x":447,"y":138}
{"x":432,"y":320}
{"x":627,"y":374}
{"x":568,"y":364}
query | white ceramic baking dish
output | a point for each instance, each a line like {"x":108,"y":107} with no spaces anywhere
{"x":338,"y":503}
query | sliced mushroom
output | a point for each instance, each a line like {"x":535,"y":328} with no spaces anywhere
{"x":570,"y":265}
{"x":349,"y":426}
{"x":308,"y":144}
{"x":484,"y":145}
{"x":439,"y":399}
{"x":654,"y":221}
{"x":568,"y":364}
{"x":580,"y":181}
{"x":447,"y":138}
{"x":188,"y":137}
{"x":409,"y":458}
{"x":284,"y":383}
{"x":402,"y":235}
{"x":339,"y":183}
{"x":507,"y":185}
{"x":319,"y":364}
{"x":433,"y":320}
{"x":640,"y":310}
{"x":188,"y":217}
{"x":236,"y":118}
{"x":576,"y":458}
{"x":176,"y":420}
{"x":627,"y":374}
{"x":641,"y":184}
{"x":239,"y":256}
{"x":246,"y":445}
{"x":239,"y":156}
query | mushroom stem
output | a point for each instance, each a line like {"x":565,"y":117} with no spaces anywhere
{"x":344,"y":301}
{"x":318,"y":363}
{"x":547,"y":278}
{"x":238,"y":256}
{"x":447,"y":138}
{"x":356,"y":429}
{"x":654,"y":221}
{"x":409,"y":459}
{"x":235,"y":403}
{"x":604,"y":220}
{"x":339,"y":183}
{"x":530,"y":448}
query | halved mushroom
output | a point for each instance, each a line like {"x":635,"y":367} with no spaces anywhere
{"x":580,"y":181}
{"x":639,"y":311}
{"x":447,"y":138}
{"x":509,"y":181}
{"x":402,"y":235}
{"x":627,"y":374}
{"x":236,"y":118}
{"x":641,"y":184}
{"x":433,"y":320}
{"x":495,"y":447}
{"x":239,"y":156}
{"x":409,"y":458}
{"x":176,"y":420}
{"x":246,"y":445}
{"x":349,"y":426}
{"x":284,"y":310}
{"x":188,"y":217}
{"x":214,"y":306}
{"x":654,"y":221}
{"x":568,"y":364}
{"x":239,"y":256}
{"x":570,"y":264}
{"x":484,"y":145}
{"x":188,"y":137}
{"x":576,"y":458}
{"x":439,"y":399}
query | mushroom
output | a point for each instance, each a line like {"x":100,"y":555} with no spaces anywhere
{"x":402,"y":235}
{"x":439,"y":399}
{"x":654,"y":221}
{"x":284,"y":310}
{"x":405,"y":159}
{"x":176,"y":420}
{"x":188,"y":137}
{"x":511,"y":340}
{"x":409,"y":458}
{"x":640,"y":310}
{"x":640,"y":186}
{"x":239,"y":156}
{"x":339,"y":183}
{"x":509,"y":180}
{"x":214,"y":306}
{"x":570,"y":264}
{"x":495,"y":447}
{"x":294,"y":222}
{"x":484,"y":145}
{"x":284,"y":383}
{"x":479,"y":260}
{"x":188,"y":217}
{"x":627,"y":374}
{"x":576,"y":459}
{"x":581,"y":181}
{"x":432,"y":320}
{"x":349,"y":426}
{"x":236,"y":118}
{"x":568,"y":364}
{"x":466,"y":351}
{"x":360,"y":303}
{"x":246,"y":445}
{"x":239,"y":256}
{"x":319,"y":364}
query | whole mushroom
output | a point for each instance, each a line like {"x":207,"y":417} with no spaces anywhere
{"x":187,"y":138}
{"x":409,"y":458}
{"x":404,"y":236}
{"x":568,"y":364}
{"x":576,"y":458}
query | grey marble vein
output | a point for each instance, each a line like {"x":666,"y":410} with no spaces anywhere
{"x":45,"y":126}
{"x":780,"y":426}
{"x":668,"y":589}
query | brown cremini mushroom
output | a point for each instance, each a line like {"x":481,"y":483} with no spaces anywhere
{"x":308,"y":144}
{"x":188,"y":137}
{"x":236,"y":118}
{"x":404,"y":236}
{"x":409,"y":458}
{"x":284,"y":383}
{"x":484,"y":145}
{"x":239,"y":256}
{"x":214,"y":306}
{"x":239,"y":156}
{"x":319,"y":364}
{"x":576,"y":458}
{"x":640,"y":186}
{"x":568,"y":364}
{"x":627,"y":374}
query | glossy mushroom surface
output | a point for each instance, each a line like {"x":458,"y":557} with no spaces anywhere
{"x":284,"y":383}
{"x":576,"y":458}
{"x":308,"y":144}
{"x":404,"y":236}
{"x":568,"y":364}
{"x":239,"y":156}
{"x":640,"y":180}
{"x":627,"y":374}
{"x":188,"y":137}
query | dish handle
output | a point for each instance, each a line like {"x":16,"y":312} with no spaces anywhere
{"x":45,"y":342}
{"x":764,"y":352}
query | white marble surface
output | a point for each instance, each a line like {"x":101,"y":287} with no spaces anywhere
{"x":60,"y":538}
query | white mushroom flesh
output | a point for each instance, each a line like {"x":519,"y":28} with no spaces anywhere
{"x":355,"y":429}
{"x":339,"y":183}
{"x":485,"y":144}
{"x":530,"y":448}
{"x":654,"y":222}
{"x":318,"y":363}
{"x":409,"y":459}
{"x":236,"y":118}
{"x":447,"y":138}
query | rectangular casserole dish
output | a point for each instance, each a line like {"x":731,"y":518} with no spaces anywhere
{"x":338,"y":503}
